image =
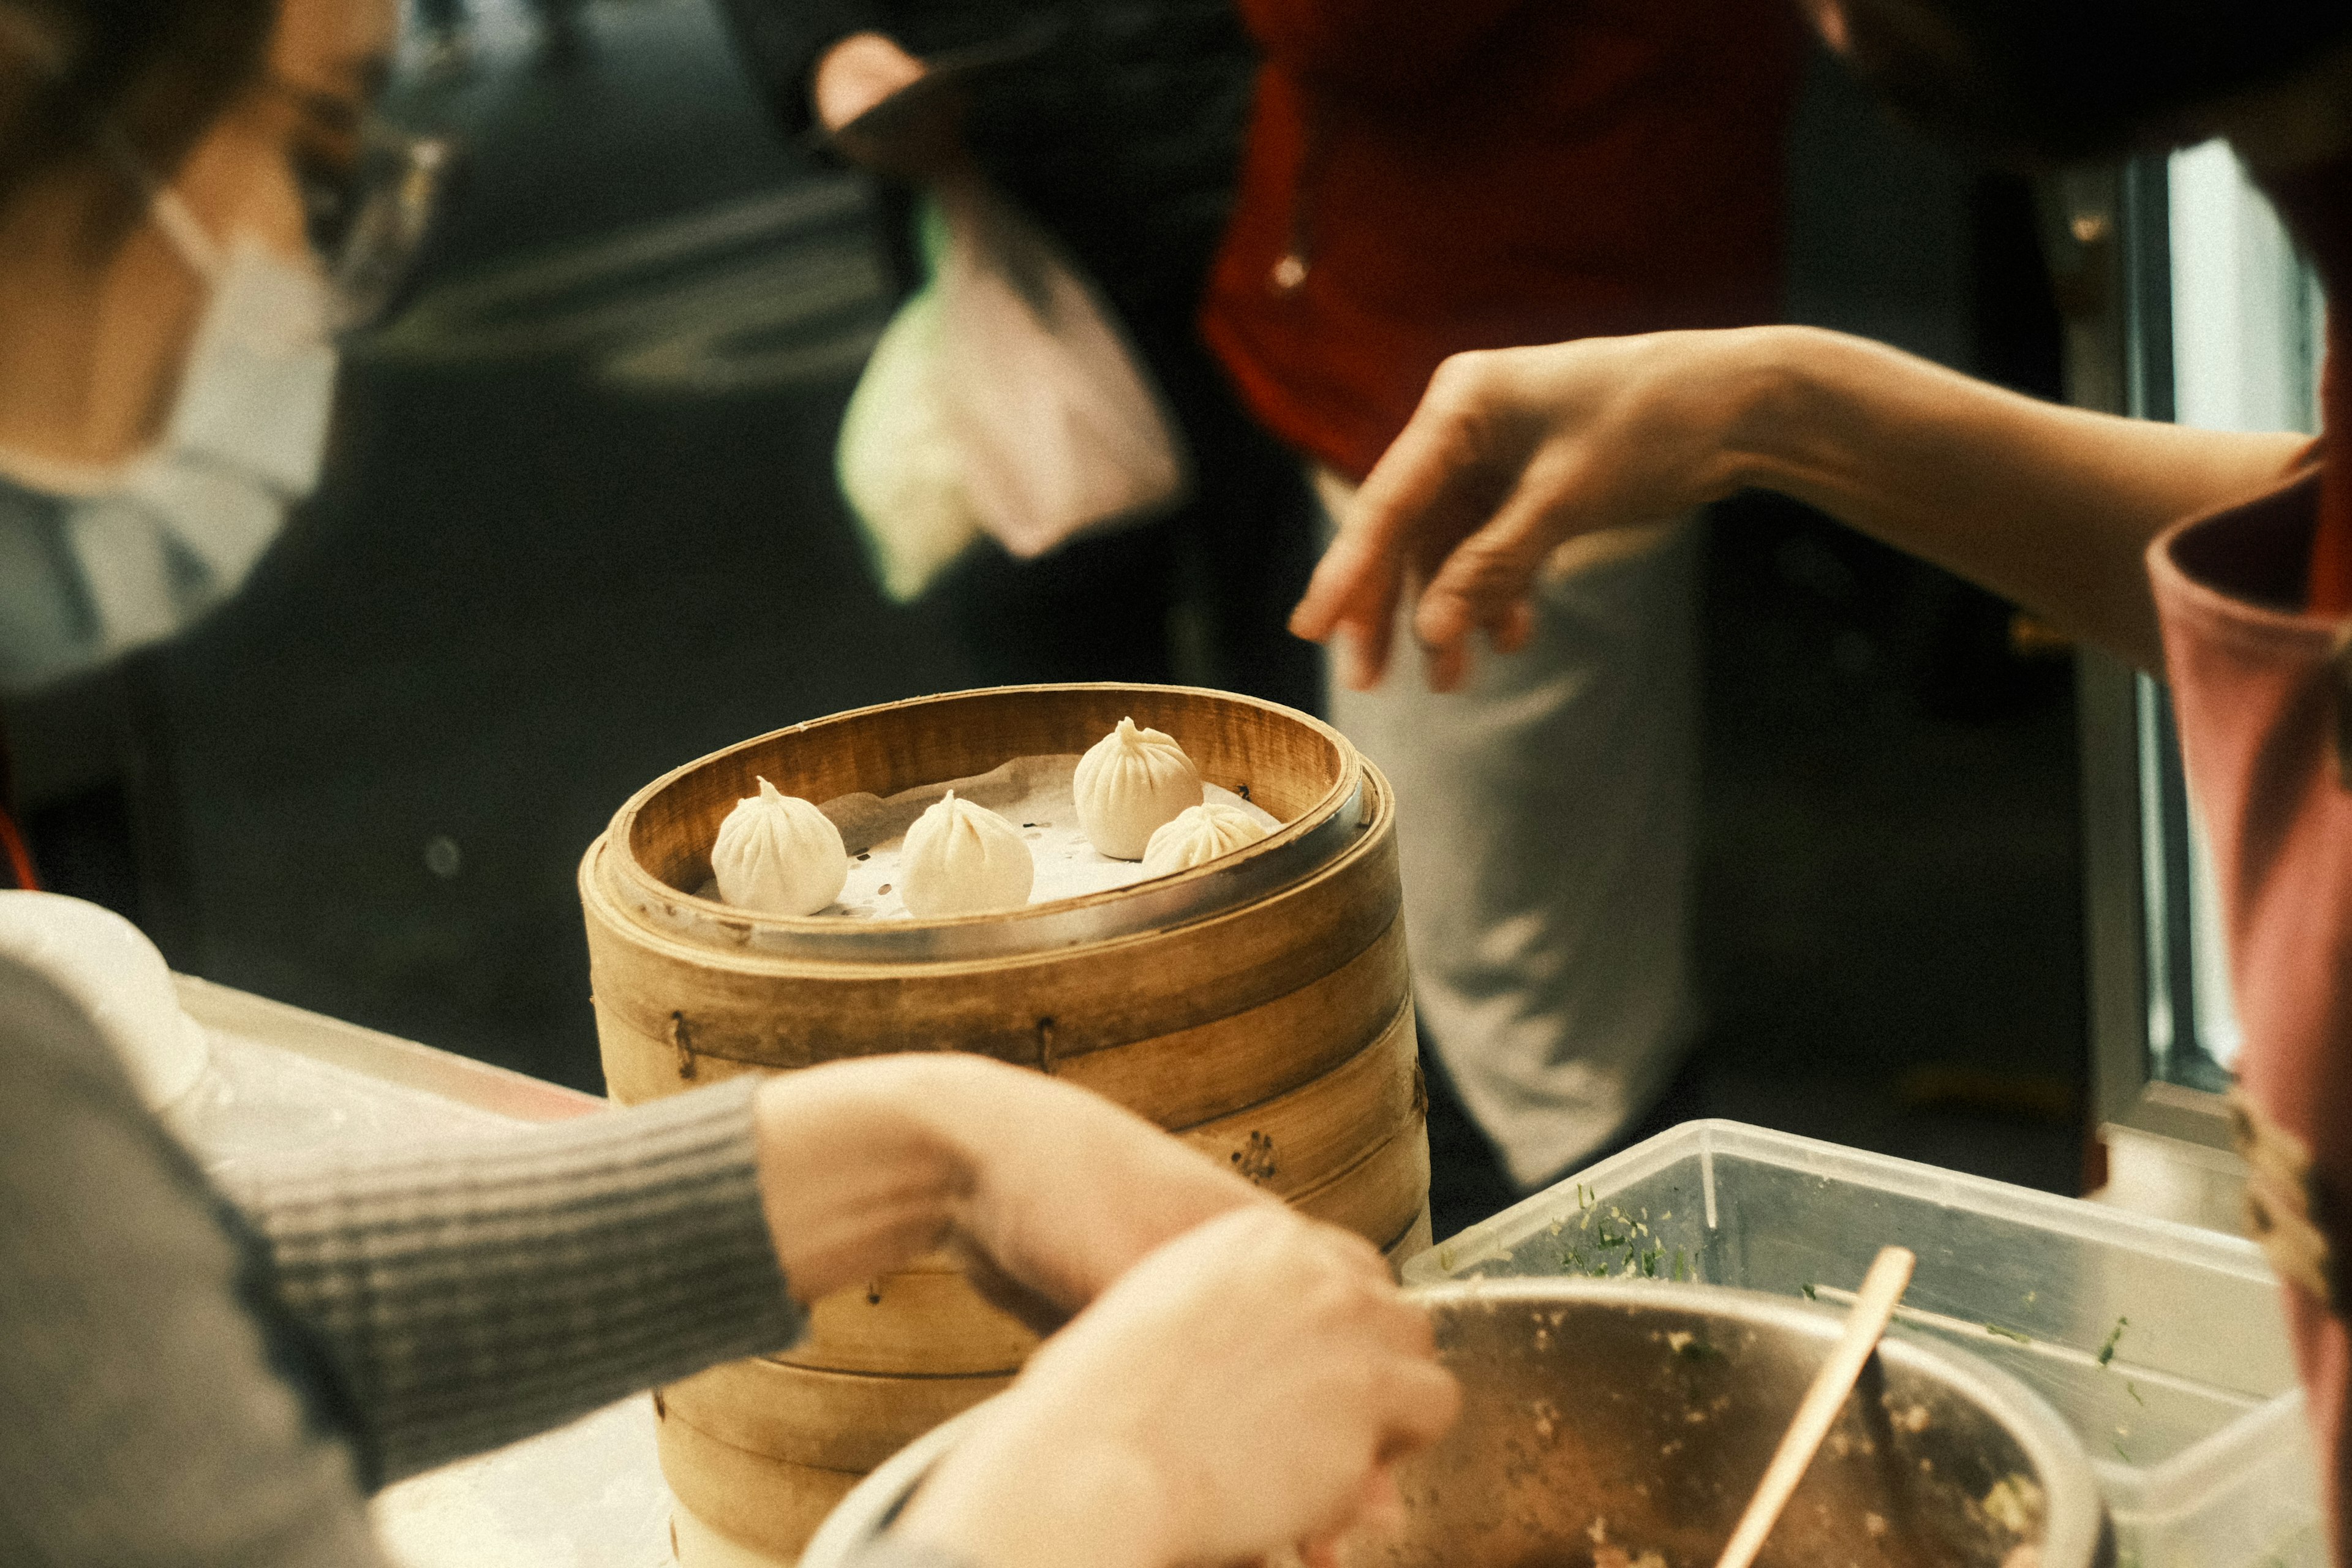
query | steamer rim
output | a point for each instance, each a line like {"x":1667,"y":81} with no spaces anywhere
{"x":1303,"y":846}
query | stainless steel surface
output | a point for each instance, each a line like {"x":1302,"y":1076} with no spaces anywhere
{"x":282,"y":1081}
{"x":371,"y":1067}
{"x":1609,"y":1417}
{"x":1638,"y":1415}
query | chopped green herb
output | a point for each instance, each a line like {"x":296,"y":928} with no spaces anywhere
{"x":2107,"y":1350}
{"x":1807,"y":1289}
{"x":2009,"y":1333}
{"x":2133,"y":1389}
{"x":1679,"y":1273}
{"x":2119,"y":1447}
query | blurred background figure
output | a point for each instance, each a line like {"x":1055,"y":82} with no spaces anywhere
{"x":1116,"y":126}
{"x":168,"y":336}
{"x":445,"y":32}
{"x":1422,"y":181}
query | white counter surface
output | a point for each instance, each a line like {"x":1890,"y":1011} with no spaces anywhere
{"x":588,"y":1495}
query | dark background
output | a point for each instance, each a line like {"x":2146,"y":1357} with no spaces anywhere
{"x":580,"y":528}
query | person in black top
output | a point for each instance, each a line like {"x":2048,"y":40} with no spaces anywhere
{"x":1120,"y":135}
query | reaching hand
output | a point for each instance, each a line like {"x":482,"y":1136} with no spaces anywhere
{"x":1071,"y":1191}
{"x":1046,"y":1192}
{"x":1244,"y":1389}
{"x":1511,"y":452}
{"x":862,"y":72}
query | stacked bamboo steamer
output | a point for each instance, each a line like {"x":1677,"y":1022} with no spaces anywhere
{"x":1257,"y":1006}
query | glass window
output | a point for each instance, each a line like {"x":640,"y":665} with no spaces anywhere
{"x":2225,"y":334}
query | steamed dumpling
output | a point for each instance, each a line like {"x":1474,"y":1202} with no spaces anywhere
{"x":1198,"y":835}
{"x":1128,"y":785}
{"x":777,"y":854}
{"x":964,"y":859}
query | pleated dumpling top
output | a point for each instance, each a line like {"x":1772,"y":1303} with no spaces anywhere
{"x":779,"y":853}
{"x":1131,"y":783}
{"x":1198,"y":835}
{"x":964,"y":859}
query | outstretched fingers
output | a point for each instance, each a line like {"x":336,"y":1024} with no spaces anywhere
{"x":1485,"y":582}
{"x":1427,"y":490}
{"x":1356,"y":587}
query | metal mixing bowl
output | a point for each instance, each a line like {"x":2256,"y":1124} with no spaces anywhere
{"x":1607,"y":1421}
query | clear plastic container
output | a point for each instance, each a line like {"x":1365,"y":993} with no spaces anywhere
{"x":2163,"y":1346}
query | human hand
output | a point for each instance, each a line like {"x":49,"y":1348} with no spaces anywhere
{"x":1044,"y":1191}
{"x":861,"y":72}
{"x":1244,"y":1389}
{"x":1510,"y":453}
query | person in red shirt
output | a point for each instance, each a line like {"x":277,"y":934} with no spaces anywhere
{"x":1421,"y":180}
{"x":2222,"y":559}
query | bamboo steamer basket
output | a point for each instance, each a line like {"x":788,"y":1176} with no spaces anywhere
{"x":1257,"y":1006}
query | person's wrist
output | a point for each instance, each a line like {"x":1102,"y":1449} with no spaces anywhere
{"x":1027,"y":1491}
{"x":1771,"y":381}
{"x":991,"y":1115}
{"x":964,"y":1104}
{"x":856,"y":1174}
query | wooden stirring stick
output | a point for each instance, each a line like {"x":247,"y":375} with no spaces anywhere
{"x":1890,"y":1271}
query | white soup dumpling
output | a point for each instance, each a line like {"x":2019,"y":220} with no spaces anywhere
{"x":779,"y":853}
{"x":1198,"y":835}
{"x":964,"y":859}
{"x":1132,"y":782}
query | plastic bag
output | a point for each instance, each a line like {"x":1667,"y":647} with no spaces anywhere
{"x":895,"y":461}
{"x":1001,"y":399}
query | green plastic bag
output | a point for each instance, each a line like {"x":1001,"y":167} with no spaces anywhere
{"x":896,"y":461}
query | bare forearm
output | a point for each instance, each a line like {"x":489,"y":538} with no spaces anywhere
{"x":2049,"y":506}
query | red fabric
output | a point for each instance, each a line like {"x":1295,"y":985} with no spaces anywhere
{"x":2256,"y":701}
{"x":2318,"y":205}
{"x":1487,"y":173}
{"x":19,"y":858}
